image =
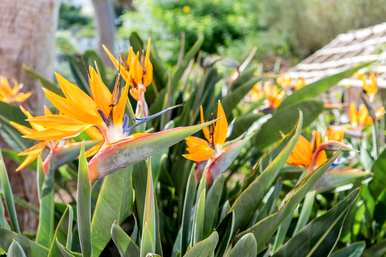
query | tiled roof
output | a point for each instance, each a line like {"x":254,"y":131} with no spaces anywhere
{"x":345,"y":51}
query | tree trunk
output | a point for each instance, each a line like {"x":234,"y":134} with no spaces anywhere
{"x":105,"y":23}
{"x":27,"y":29}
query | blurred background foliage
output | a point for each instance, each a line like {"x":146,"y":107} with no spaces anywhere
{"x":282,"y":31}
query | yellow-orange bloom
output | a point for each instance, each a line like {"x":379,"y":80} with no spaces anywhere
{"x":202,"y":150}
{"x":300,"y":83}
{"x":308,"y":154}
{"x":33,"y":152}
{"x":369,"y":84}
{"x":78,"y":112}
{"x":12,"y":93}
{"x":359,"y":116}
{"x":256,"y":92}
{"x":48,"y":138}
{"x":137,"y":70}
{"x":285,"y":81}
{"x":198,"y":149}
{"x":335,"y":133}
{"x":288,"y":83}
{"x":273,"y":95}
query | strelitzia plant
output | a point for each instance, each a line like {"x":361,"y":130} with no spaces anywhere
{"x":270,"y":93}
{"x":369,"y":84}
{"x":335,"y":133}
{"x":204,"y":227}
{"x":309,"y":155}
{"x":11,"y":93}
{"x":205,"y":151}
{"x":290,"y":84}
{"x":55,"y":143}
{"x":137,"y":71}
{"x":360,"y":118}
{"x":105,"y":112}
{"x":157,"y":207}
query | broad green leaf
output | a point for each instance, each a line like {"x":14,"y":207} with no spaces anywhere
{"x":242,"y":123}
{"x":318,"y":238}
{"x":226,"y":229}
{"x":246,"y":247}
{"x":181,"y":67}
{"x":175,"y":78}
{"x":231,"y":100}
{"x":377,"y":250}
{"x":79,"y":69}
{"x":213,"y":198}
{"x":12,"y":137}
{"x":186,"y":224}
{"x":65,"y":252}
{"x":15,"y":250}
{"x":378,"y":169}
{"x":125,"y":245}
{"x":93,"y":58}
{"x":63,"y":232}
{"x":283,"y":120}
{"x":270,"y":205}
{"x":204,"y":248}
{"x":83,"y":205}
{"x":8,"y":195}
{"x":8,"y":133}
{"x":366,"y":158}
{"x":45,"y":82}
{"x":176,"y":251}
{"x":305,"y":213}
{"x":281,"y":233}
{"x":316,"y":88}
{"x":3,"y":220}
{"x":339,"y":177}
{"x":149,"y":230}
{"x":378,"y":212}
{"x":139,"y":178}
{"x":266,"y":228}
{"x":45,"y":185}
{"x":199,"y":215}
{"x":132,"y":150}
{"x":12,"y":113}
{"x":246,"y":203}
{"x":157,"y":104}
{"x":353,"y":250}
{"x":229,"y":153}
{"x":206,"y":93}
{"x":68,"y":153}
{"x":31,"y":248}
{"x":114,"y":203}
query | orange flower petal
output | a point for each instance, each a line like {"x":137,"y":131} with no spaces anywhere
{"x":148,"y":72}
{"x":77,"y":100}
{"x":302,"y":153}
{"x":100,"y":93}
{"x":198,"y":149}
{"x":119,"y":109}
{"x":205,"y":130}
{"x":221,"y":128}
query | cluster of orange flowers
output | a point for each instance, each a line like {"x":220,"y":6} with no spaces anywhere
{"x":100,"y":116}
{"x":274,"y":93}
{"x":310,"y":154}
{"x":104,"y":118}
